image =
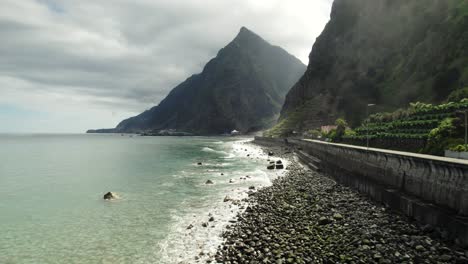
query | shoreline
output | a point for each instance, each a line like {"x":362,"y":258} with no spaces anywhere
{"x":195,"y":237}
{"x":306,"y":217}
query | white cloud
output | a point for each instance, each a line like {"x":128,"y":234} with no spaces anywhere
{"x":88,"y":59}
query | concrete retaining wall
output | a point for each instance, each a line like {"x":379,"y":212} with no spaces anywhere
{"x":411,"y":145}
{"x":431,"y":189}
{"x":457,"y":155}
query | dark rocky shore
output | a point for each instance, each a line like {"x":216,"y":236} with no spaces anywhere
{"x":305,"y":217}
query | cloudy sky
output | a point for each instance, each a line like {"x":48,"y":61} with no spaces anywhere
{"x":70,"y":65}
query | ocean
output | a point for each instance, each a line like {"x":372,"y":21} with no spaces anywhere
{"x":51,"y":189}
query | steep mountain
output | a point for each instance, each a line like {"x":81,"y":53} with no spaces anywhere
{"x":384,"y":52}
{"x":242,"y":88}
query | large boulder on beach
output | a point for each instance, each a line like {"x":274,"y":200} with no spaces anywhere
{"x":110,"y":196}
{"x":209,"y":182}
{"x":271,"y":167}
{"x":279,"y":166}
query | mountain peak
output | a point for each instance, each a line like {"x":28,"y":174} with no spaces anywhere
{"x":246,"y":36}
{"x":242,"y":88}
{"x":244,"y":30}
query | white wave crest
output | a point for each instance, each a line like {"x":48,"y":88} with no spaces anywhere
{"x":207,"y":149}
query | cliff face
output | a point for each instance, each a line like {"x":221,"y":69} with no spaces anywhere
{"x":385,"y":52}
{"x":242,"y":88}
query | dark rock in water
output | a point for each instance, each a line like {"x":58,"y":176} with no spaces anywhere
{"x":279,"y":166}
{"x":227,"y":199}
{"x":110,"y":196}
{"x":270,"y":153}
{"x":271,"y":167}
{"x":209,"y":182}
{"x":199,"y":163}
{"x":252,"y":188}
{"x":204,"y":224}
{"x":190,"y":226}
{"x":279,"y":162}
{"x":231,"y":181}
{"x":222,"y":174}
{"x":211,"y":219}
{"x":272,"y":162}
{"x":248,"y":155}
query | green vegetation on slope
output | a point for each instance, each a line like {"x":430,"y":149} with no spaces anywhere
{"x":440,"y":125}
{"x":458,"y":95}
{"x":286,"y":126}
{"x":387,"y":52}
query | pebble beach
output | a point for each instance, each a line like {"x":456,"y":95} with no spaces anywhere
{"x":306,"y":217}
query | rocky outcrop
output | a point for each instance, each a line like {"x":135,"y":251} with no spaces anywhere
{"x":110,"y":196}
{"x":242,"y":88}
{"x":103,"y":130}
{"x":386,"y":52}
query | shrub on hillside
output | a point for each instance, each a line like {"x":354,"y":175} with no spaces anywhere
{"x":458,"y":95}
{"x":460,"y":148}
{"x":442,"y":137}
{"x":341,"y":126}
{"x":313,"y":133}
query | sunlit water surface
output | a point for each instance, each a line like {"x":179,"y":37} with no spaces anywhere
{"x":51,"y":187}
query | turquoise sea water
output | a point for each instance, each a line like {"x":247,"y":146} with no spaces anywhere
{"x":51,"y":187}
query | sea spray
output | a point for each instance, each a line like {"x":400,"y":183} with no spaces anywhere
{"x":195,"y":235}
